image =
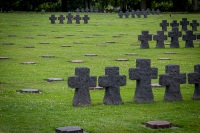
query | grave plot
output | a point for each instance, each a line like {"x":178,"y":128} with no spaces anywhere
{"x":29,"y":90}
{"x":54,"y":79}
{"x":3,"y":57}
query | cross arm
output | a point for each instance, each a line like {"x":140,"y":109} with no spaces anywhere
{"x":134,"y":73}
{"x":194,"y":78}
{"x":73,"y":81}
{"x":182,"y":78}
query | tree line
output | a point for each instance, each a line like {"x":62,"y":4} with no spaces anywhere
{"x":72,"y":5}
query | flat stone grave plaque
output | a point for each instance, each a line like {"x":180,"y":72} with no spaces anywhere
{"x":48,"y":56}
{"x":117,"y":36}
{"x":90,"y":55}
{"x":110,"y":42}
{"x":96,"y":88}
{"x":59,"y":37}
{"x":158,"y":124}
{"x":121,"y":59}
{"x":65,"y":46}
{"x":170,"y":53}
{"x":8,"y":43}
{"x":3,"y":57}
{"x":41,"y":35}
{"x":28,"y":63}
{"x":79,"y":31}
{"x":122,"y":34}
{"x":88,"y":36}
{"x":131,"y":54}
{"x":29,"y":90}
{"x":29,"y":47}
{"x":29,"y":37}
{"x":77,"y":43}
{"x":54,"y":79}
{"x":97,"y":34}
{"x":70,"y":35}
{"x":69,"y":129}
{"x":164,"y":59}
{"x":12,"y":35}
{"x":156,"y":85}
{"x":44,"y":42}
{"x":77,"y":61}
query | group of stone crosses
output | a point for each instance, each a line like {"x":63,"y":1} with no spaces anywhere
{"x":143,"y":73}
{"x":174,"y":34}
{"x":69,"y":18}
{"x":91,"y":10}
{"x":138,"y":13}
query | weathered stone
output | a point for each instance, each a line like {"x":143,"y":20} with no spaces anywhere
{"x":164,"y":25}
{"x":172,"y":80}
{"x":44,"y":42}
{"x":3,"y":57}
{"x":120,"y":14}
{"x":160,"y":38}
{"x":86,"y":18}
{"x":29,"y":90}
{"x":28,"y":62}
{"x":8,"y":43}
{"x":174,"y":24}
{"x":184,"y":24}
{"x":144,"y":38}
{"x":131,"y":54}
{"x":61,"y":19}
{"x":81,"y":82}
{"x":143,"y":73}
{"x":158,"y":124}
{"x":54,"y":79}
{"x":170,"y":53}
{"x":69,"y":129}
{"x":59,"y":37}
{"x":189,"y":37}
{"x":194,"y":78}
{"x":29,"y":47}
{"x":69,"y":18}
{"x":194,"y":25}
{"x":121,"y":59}
{"x":65,"y":46}
{"x":77,"y":18}
{"x":156,"y":85}
{"x":48,"y":56}
{"x":164,"y":59}
{"x":52,"y":18}
{"x":111,"y":81}
{"x":77,"y":61}
{"x":110,"y":42}
{"x":91,"y":55}
{"x":174,"y":34}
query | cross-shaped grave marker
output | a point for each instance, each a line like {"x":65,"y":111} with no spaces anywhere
{"x":81,"y":82}
{"x":77,"y":18}
{"x":138,"y":13}
{"x":172,"y":80}
{"x":160,"y":38}
{"x":120,"y":14}
{"x":127,"y":14}
{"x":86,"y":18}
{"x":189,"y":37}
{"x":174,"y":24}
{"x":52,"y":18}
{"x":184,"y":24}
{"x":112,"y":82}
{"x":194,"y":25}
{"x":133,"y":13}
{"x":164,"y":25}
{"x":194,"y":78}
{"x":143,"y":73}
{"x":69,"y":18}
{"x":144,"y":38}
{"x":174,"y":34}
{"x":61,"y":18}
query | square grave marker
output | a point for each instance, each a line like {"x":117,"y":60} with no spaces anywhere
{"x":70,"y":129}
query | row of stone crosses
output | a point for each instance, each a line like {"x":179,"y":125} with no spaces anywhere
{"x":143,"y":73}
{"x":69,"y":18}
{"x":138,"y":13}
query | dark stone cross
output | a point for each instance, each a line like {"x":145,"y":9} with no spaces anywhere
{"x":164,"y":25}
{"x":184,"y":24}
{"x":127,"y":14}
{"x":61,"y":18}
{"x":194,"y":78}
{"x":189,"y":37}
{"x":174,"y":34}
{"x":81,"y":82}
{"x":120,"y":14}
{"x":87,"y":9}
{"x":77,"y":18}
{"x":160,"y":38}
{"x":86,"y":18}
{"x":172,"y":80}
{"x":77,"y":10}
{"x":52,"y":18}
{"x":198,"y":36}
{"x":194,"y":25}
{"x":138,"y":13}
{"x":69,"y":18}
{"x":174,"y":24}
{"x":133,"y":13}
{"x":153,"y":12}
{"x":112,"y":82}
{"x":158,"y":12}
{"x":143,"y":73}
{"x":145,"y":14}
{"x":144,"y":38}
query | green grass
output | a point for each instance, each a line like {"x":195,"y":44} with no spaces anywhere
{"x":53,"y":107}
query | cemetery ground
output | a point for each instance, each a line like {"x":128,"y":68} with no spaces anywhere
{"x":32,"y":37}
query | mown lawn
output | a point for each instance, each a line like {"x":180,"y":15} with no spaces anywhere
{"x":53,"y":107}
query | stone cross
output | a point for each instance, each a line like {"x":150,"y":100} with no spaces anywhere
{"x":148,"y":11}
{"x":91,"y":10}
{"x":81,"y":82}
{"x":194,"y":25}
{"x":174,"y":24}
{"x":69,"y":18}
{"x":198,"y":36}
{"x":138,"y":13}
{"x":184,"y":24}
{"x":160,"y":38}
{"x":164,"y":25}
{"x":77,"y":18}
{"x":194,"y":78}
{"x":144,"y":38}
{"x":145,"y":14}
{"x":61,"y":18}
{"x":153,"y":12}
{"x":158,"y":12}
{"x":82,"y":10}
{"x":127,"y":14}
{"x":189,"y":37}
{"x":133,"y":13}
{"x":174,"y":34}
{"x":112,"y":82}
{"x":86,"y":18}
{"x":77,"y":10}
{"x":87,"y":9}
{"x":52,"y":18}
{"x":120,"y":14}
{"x":172,"y":80}
{"x":143,"y":73}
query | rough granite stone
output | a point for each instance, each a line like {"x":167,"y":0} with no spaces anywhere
{"x":144,"y":38}
{"x":174,"y":34}
{"x":69,"y":129}
{"x":69,"y":18}
{"x":52,"y":18}
{"x":164,"y":25}
{"x":194,"y":78}
{"x":189,"y":37}
{"x":86,"y":18}
{"x":77,"y":18}
{"x":81,"y":82}
{"x":174,"y":24}
{"x":61,"y":19}
{"x":194,"y":25}
{"x":184,"y":24}
{"x":112,"y":82}
{"x":160,"y":38}
{"x":143,"y":73}
{"x":172,"y":80}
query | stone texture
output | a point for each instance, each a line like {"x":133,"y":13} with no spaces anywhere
{"x":61,"y":19}
{"x":52,"y":18}
{"x":54,"y":79}
{"x":29,"y":90}
{"x":164,"y":25}
{"x":160,"y":38}
{"x":81,"y":82}
{"x":138,"y":13}
{"x":158,"y":124}
{"x":69,"y":18}
{"x":174,"y":34}
{"x":112,"y":82}
{"x":3,"y":57}
{"x":194,"y":78}
{"x":77,"y":61}
{"x":184,"y":24}
{"x":174,"y":24}
{"x":143,"y":73}
{"x":120,"y":14}
{"x":86,"y":18}
{"x":144,"y":38}
{"x":69,"y":129}
{"x":127,"y":14}
{"x":194,"y":25}
{"x":189,"y":37}
{"x":172,"y":80}
{"x":77,"y":18}
{"x":29,"y":62}
{"x":133,"y":14}
{"x":8,"y":43}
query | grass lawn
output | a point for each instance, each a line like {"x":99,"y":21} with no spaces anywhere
{"x":53,"y":107}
